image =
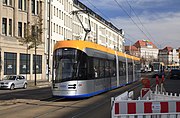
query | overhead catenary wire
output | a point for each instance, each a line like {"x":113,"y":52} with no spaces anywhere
{"x":120,"y":6}
{"x":140,"y":21}
{"x":108,"y":19}
{"x":131,"y":18}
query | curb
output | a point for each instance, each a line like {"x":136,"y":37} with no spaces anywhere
{"x":40,"y":84}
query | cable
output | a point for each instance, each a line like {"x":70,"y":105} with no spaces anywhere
{"x":132,"y":19}
{"x":107,"y":17}
{"x":140,"y":21}
{"x":98,"y":10}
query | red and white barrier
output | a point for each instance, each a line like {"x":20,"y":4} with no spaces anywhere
{"x":142,"y":107}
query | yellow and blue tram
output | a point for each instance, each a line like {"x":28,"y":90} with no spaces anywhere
{"x":84,"y":69}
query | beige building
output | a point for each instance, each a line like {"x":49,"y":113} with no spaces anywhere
{"x":64,"y":25}
{"x":102,"y":32}
{"x":15,"y":16}
{"x":59,"y":22}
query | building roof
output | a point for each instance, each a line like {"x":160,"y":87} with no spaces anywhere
{"x":167,"y":49}
{"x":132,"y":48}
{"x":144,"y":43}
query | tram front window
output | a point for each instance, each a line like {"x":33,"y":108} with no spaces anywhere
{"x":156,"y":67}
{"x":64,"y":65}
{"x":65,"y":69}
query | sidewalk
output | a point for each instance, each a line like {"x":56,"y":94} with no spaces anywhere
{"x":39,"y":83}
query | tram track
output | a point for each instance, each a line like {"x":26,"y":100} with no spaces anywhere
{"x":58,"y":105}
{"x":95,"y":105}
{"x":20,"y":104}
{"x":108,"y":100}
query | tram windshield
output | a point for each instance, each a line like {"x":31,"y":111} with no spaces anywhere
{"x":69,"y":64}
{"x":156,"y":66}
{"x":64,"y":65}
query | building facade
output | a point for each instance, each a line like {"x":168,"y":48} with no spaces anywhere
{"x":16,"y":16}
{"x":58,"y":23}
{"x":64,"y":25}
{"x":169,"y":56}
{"x":147,"y":49}
{"x":132,"y":50}
{"x":102,"y":32}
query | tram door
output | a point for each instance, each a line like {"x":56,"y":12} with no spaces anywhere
{"x":107,"y":79}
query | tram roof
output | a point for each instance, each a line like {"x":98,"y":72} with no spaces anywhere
{"x":82,"y":45}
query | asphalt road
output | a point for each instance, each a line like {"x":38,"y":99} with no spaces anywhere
{"x":172,"y":86}
{"x":38,"y":103}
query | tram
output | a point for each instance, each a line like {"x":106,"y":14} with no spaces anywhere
{"x":83,"y":69}
{"x":158,"y":69}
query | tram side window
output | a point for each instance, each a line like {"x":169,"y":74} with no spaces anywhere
{"x":102,"y":68}
{"x":124,"y":68}
{"x":82,"y":59}
{"x":107,"y":68}
{"x":96,"y":67}
{"x":112,"y":69}
{"x":90,"y":69}
{"x":130,"y":68}
{"x":137,"y":67}
{"x":120,"y":68}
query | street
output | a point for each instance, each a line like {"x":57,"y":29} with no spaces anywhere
{"x":38,"y":102}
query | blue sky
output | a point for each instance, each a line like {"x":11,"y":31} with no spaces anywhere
{"x":160,"y":19}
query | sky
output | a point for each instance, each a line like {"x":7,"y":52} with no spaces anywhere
{"x":154,"y":20}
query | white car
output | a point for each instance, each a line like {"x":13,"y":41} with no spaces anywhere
{"x":13,"y":81}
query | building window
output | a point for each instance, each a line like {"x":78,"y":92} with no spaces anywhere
{"x":38,"y":60}
{"x":10,"y":63}
{"x":10,"y":2}
{"x":34,"y":30}
{"x":25,"y":29}
{"x":5,"y":2}
{"x":24,"y":63}
{"x":20,"y":4}
{"x":20,"y":29}
{"x":25,"y":5}
{"x":37,"y":7}
{"x":54,"y":10}
{"x":57,"y":12}
{"x":33,"y":6}
{"x":10,"y":27}
{"x":4,"y":26}
{"x":54,"y":27}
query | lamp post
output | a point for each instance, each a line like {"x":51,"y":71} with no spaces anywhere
{"x":35,"y":53}
{"x":35,"y":62}
{"x":49,"y":38}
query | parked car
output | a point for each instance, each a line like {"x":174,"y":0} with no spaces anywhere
{"x":175,"y":74}
{"x":13,"y":81}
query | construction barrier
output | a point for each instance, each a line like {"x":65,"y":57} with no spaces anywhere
{"x":139,"y":108}
{"x":161,"y":108}
{"x":158,"y":104}
{"x":142,"y":107}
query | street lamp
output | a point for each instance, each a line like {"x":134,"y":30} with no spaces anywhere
{"x":35,"y":34}
{"x":49,"y":38}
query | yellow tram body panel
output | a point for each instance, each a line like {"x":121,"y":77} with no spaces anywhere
{"x":81,"y":45}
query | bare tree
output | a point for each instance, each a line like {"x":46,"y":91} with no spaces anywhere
{"x":33,"y":37}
